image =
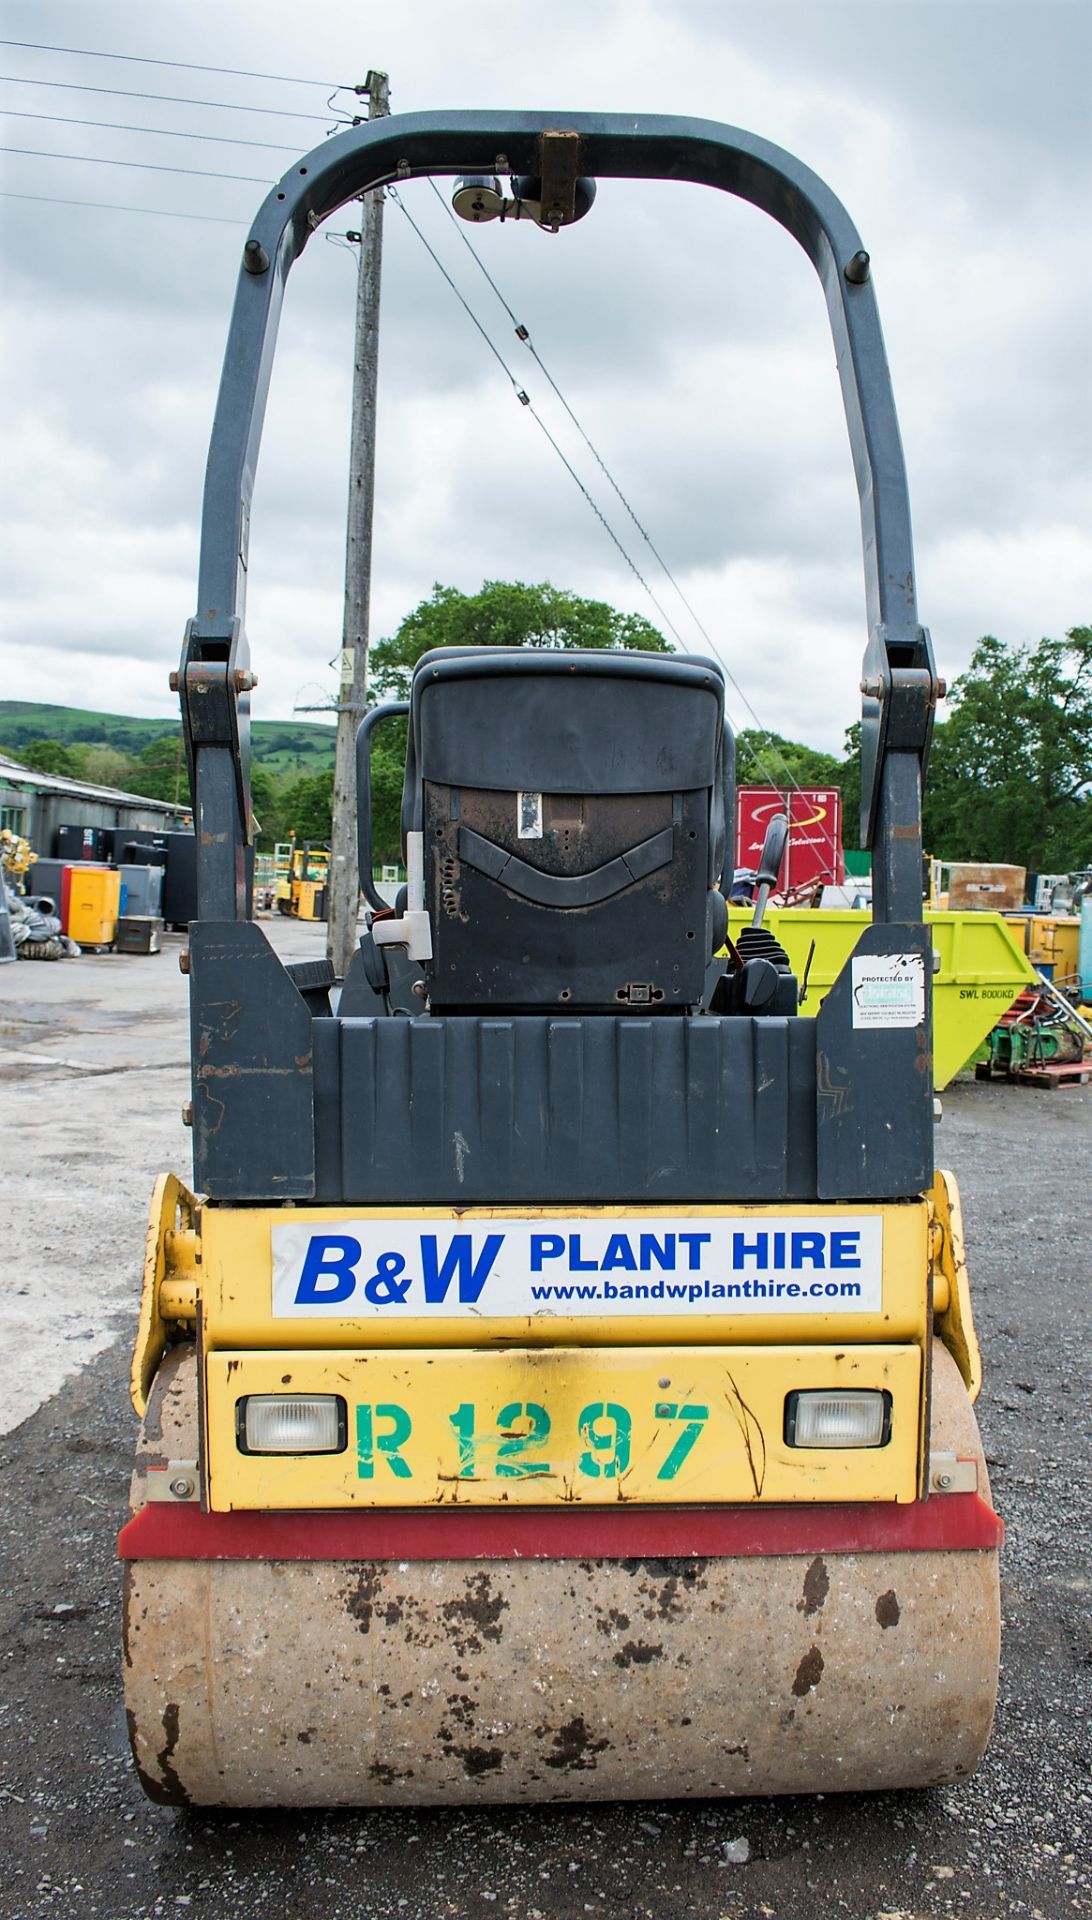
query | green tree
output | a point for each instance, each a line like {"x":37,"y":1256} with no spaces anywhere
{"x":849,"y":779}
{"x":160,"y":770}
{"x":307,"y":806}
{"x":50,"y":756}
{"x":1010,"y":776}
{"x":768,"y":759}
{"x":388,"y":768}
{"x":106,"y":766}
{"x":504,"y":614}
{"x":267,"y":802}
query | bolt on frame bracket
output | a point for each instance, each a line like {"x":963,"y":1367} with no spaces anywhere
{"x":949,"y":1474}
{"x":176,"y":1481}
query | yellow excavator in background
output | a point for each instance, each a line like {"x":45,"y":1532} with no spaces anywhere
{"x":301,"y":871}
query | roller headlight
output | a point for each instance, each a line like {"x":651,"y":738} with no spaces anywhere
{"x":291,"y":1423}
{"x":840,"y":1417}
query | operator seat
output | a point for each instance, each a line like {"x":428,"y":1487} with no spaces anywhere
{"x":573,"y":809}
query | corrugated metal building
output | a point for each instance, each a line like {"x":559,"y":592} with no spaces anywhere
{"x":36,"y":804}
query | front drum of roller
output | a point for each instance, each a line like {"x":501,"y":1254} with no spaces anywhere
{"x":383,"y":1683}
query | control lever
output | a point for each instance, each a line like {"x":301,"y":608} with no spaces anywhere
{"x":769,"y":866}
{"x":764,"y":977}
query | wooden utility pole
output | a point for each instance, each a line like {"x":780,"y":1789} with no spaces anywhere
{"x":344,"y":879}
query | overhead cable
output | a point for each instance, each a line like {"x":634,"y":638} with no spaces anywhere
{"x":523,"y":334}
{"x":143,"y":166}
{"x":605,"y":524}
{"x":162,"y":213}
{"x":164,"y":133}
{"x":187,"y":66}
{"x":111,"y":206}
{"x":393,"y":194}
{"x":524,"y":398}
{"x":175,"y":99}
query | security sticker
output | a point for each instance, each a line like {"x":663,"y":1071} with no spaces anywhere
{"x":888,"y":989}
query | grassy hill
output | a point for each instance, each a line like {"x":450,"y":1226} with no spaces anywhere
{"x":282,"y":746}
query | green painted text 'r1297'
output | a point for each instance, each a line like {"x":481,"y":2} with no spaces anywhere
{"x":516,"y":1442}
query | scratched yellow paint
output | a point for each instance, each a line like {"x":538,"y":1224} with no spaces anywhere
{"x":234,"y":1281}
{"x":561,"y":1425}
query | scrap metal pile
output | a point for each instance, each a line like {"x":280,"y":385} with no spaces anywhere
{"x":1043,"y":1040}
{"x":33,"y":929}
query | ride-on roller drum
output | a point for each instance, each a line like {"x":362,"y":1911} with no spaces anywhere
{"x":558,"y":1383}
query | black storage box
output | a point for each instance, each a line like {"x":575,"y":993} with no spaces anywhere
{"x":138,"y":933}
{"x":139,"y":847}
{"x":74,"y":844}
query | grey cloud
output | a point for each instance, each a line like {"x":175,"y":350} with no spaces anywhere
{"x":687,"y":332}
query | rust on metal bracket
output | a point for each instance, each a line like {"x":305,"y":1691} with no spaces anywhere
{"x":559,"y":169}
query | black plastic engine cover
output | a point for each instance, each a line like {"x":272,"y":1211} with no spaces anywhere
{"x":600,"y":907}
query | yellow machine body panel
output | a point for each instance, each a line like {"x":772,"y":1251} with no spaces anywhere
{"x":353,"y":1278}
{"x":307,"y":899}
{"x":535,"y":1356}
{"x":562,"y":1425}
{"x":953,"y":1320}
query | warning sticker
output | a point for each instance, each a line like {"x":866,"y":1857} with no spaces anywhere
{"x":529,"y":811}
{"x":889,"y":990}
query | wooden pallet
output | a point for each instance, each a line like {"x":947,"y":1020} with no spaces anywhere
{"x":1067,"y":1073}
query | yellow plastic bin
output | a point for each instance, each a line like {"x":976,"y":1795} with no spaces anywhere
{"x":94,"y":900}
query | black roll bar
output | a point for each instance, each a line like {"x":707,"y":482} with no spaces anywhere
{"x":899,"y":685}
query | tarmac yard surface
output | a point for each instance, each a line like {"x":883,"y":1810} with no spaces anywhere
{"x":92,"y":1078}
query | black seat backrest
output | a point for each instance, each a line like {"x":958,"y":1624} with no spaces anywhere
{"x":573,"y":809}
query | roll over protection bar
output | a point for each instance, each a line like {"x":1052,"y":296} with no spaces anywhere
{"x":898,"y":683}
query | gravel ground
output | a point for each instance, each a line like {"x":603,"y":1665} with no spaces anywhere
{"x":76,"y":1830}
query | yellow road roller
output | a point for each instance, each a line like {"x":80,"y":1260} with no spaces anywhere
{"x":557,"y":1382}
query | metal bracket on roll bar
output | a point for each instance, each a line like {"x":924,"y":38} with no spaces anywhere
{"x":559,"y":164}
{"x":214,"y":684}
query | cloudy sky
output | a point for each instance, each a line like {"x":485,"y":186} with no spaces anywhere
{"x":686,"y":331}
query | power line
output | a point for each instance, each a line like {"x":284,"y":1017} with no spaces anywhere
{"x":523,"y":334}
{"x":525,"y":400}
{"x":111,"y":206}
{"x":187,"y":66}
{"x":604,"y":522}
{"x":124,"y":126}
{"x":175,"y":99}
{"x":459,"y":226}
{"x":437,"y":262}
{"x":143,"y":166}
